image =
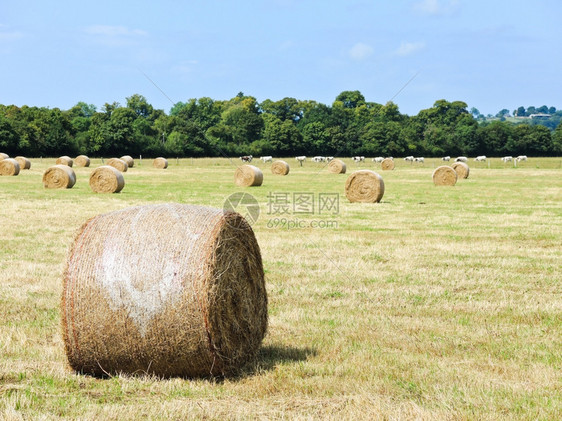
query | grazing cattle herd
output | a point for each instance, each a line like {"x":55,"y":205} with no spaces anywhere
{"x":358,"y":159}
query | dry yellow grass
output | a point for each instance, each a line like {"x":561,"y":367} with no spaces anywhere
{"x":433,"y":304}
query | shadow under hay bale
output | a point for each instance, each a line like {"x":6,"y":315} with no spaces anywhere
{"x":160,"y":163}
{"x":248,"y":176}
{"x":59,"y":177}
{"x":364,"y":186}
{"x":64,"y":160}
{"x":129,"y":160}
{"x":461,"y":169}
{"x":9,"y":166}
{"x":167,"y":289}
{"x":444,"y":176}
{"x":337,"y":166}
{"x":118,"y":164}
{"x":280,"y":168}
{"x":106,"y":179}
{"x":387,"y":164}
{"x":82,"y":161}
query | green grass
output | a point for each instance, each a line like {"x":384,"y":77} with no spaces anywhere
{"x":437,"y":303}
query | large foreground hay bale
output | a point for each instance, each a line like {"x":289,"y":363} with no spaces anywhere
{"x":106,"y":179}
{"x":280,"y":168}
{"x":337,"y":166}
{"x":59,"y":177}
{"x":129,"y":160}
{"x":167,"y":289}
{"x":3,"y":156}
{"x":387,"y":164}
{"x":64,"y":160}
{"x":25,"y":163}
{"x":161,"y":163}
{"x":9,"y":166}
{"x":444,"y":176}
{"x":247,"y":176}
{"x":461,"y":169}
{"x":364,"y":186}
{"x":118,"y":164}
{"x":82,"y":161}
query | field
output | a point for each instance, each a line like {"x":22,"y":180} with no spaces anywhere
{"x":437,"y":303}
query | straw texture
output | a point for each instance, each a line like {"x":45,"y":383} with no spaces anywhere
{"x":247,"y":176}
{"x":82,"y":161}
{"x":129,"y":160}
{"x":337,"y":166}
{"x":59,"y":177}
{"x":9,"y":166}
{"x":167,"y":289}
{"x":161,"y":163}
{"x":118,"y":164}
{"x":280,"y":168}
{"x":461,"y":169}
{"x":387,"y":164}
{"x":106,"y":179}
{"x":3,"y":156}
{"x":64,"y":160}
{"x":444,"y":176}
{"x":364,"y":186}
{"x":25,"y":163}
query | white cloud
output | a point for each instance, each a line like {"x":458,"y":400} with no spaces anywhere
{"x":8,"y":35}
{"x":360,"y":51}
{"x":436,"y":7}
{"x":407,"y":48}
{"x":114,"y":36}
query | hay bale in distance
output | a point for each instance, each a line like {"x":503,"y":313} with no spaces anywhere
{"x":337,"y":166}
{"x":461,"y":169}
{"x":280,"y":168}
{"x":161,"y":163}
{"x":387,"y":164}
{"x":106,"y":179}
{"x":248,"y":176}
{"x":118,"y":164}
{"x":364,"y":186}
{"x":82,"y":161}
{"x":444,"y":176}
{"x":64,"y":160}
{"x":3,"y":156}
{"x":25,"y":163}
{"x":59,"y":177}
{"x":166,"y":289}
{"x":9,"y":166}
{"x":129,"y":160}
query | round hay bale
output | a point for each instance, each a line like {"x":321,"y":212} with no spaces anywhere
{"x":166,"y":289}
{"x":280,"y":168}
{"x":444,"y":176}
{"x":9,"y":166}
{"x":129,"y":160}
{"x":3,"y":156}
{"x":82,"y":161}
{"x":106,"y":179}
{"x":64,"y":160}
{"x":118,"y":164}
{"x":59,"y":177}
{"x":161,"y":163}
{"x":337,"y":166}
{"x":25,"y":163}
{"x":461,"y":169}
{"x":247,"y":176}
{"x":387,"y":164}
{"x":364,"y":186}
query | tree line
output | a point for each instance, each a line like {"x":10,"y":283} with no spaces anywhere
{"x":243,"y":126}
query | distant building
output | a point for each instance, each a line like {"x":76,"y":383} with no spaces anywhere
{"x":540,"y":115}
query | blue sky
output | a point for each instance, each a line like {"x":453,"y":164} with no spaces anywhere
{"x":492,"y":55}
